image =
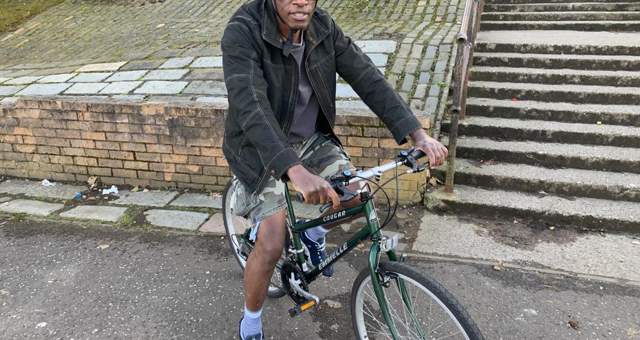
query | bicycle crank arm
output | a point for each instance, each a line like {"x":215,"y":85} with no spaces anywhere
{"x":311,"y":300}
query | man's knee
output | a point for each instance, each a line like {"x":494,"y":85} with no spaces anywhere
{"x":271,"y":235}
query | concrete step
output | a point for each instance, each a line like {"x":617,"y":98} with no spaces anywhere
{"x":628,"y":115}
{"x":551,"y":155}
{"x":564,"y":7}
{"x":556,"y":76}
{"x":608,"y":26}
{"x":548,"y":131}
{"x":577,"y":211}
{"x":560,"y":42}
{"x":555,"y":93}
{"x":617,"y":186}
{"x":559,"y":16}
{"x":558,"y":61}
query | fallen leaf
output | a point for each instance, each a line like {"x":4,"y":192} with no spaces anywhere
{"x":91,"y":181}
{"x":160,"y":25}
{"x":5,"y":204}
{"x":574,"y":324}
{"x":499,"y":266}
{"x":103,"y":246}
{"x":68,"y":18}
{"x":360,"y":246}
{"x":552,"y":228}
{"x":637,"y":243}
{"x":145,"y":190}
{"x":333,"y":304}
{"x":4,"y":292}
{"x":135,"y":189}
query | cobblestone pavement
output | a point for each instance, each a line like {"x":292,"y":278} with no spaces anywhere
{"x":170,"y":50}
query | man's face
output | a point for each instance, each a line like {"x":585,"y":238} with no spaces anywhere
{"x":296,"y":13}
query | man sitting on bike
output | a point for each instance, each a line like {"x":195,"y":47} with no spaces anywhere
{"x":280,"y":59}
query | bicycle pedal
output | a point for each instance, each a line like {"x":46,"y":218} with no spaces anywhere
{"x":298,"y":309}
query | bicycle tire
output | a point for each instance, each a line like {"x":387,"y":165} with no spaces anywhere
{"x":462,"y":321}
{"x":240,"y":253}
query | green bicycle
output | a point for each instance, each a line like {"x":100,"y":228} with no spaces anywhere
{"x":389,"y":299}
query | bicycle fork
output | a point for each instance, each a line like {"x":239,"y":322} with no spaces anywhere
{"x":380,"y":280}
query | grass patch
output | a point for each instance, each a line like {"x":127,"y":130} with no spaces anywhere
{"x":13,"y":13}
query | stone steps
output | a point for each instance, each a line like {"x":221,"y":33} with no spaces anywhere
{"x":556,"y":76}
{"x":559,"y":16}
{"x":617,"y":186}
{"x":628,"y":115}
{"x":558,"y":61}
{"x":549,"y":131}
{"x":577,"y":211}
{"x":551,"y":155}
{"x":555,"y":93}
{"x":564,"y":7}
{"x":609,"y":25}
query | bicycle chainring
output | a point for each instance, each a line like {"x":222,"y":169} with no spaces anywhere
{"x":286,"y":269}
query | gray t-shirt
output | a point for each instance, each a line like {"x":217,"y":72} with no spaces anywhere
{"x":306,"y":112}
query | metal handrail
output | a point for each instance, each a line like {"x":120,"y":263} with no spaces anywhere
{"x":464,"y":59}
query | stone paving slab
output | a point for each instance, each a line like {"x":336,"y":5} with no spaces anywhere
{"x":345,"y":91}
{"x":5,"y":199}
{"x":215,"y":225}
{"x":142,"y":65}
{"x":165,"y":75}
{"x":150,"y":198}
{"x":206,"y":87}
{"x":9,"y":90}
{"x":162,"y":87}
{"x":121,"y":87}
{"x":57,"y":78}
{"x":198,"y":200}
{"x":208,"y":62}
{"x":177,"y":62}
{"x":2,"y":80}
{"x":377,"y":46}
{"x":86,"y":88}
{"x":176,"y":219}
{"x":351,"y":104}
{"x":127,"y":75}
{"x":205,"y":74}
{"x":90,"y":77}
{"x":22,"y":80}
{"x":30,"y":207}
{"x":43,"y":89}
{"x":101,"y":67}
{"x":95,"y":212}
{"x":220,"y":100}
{"x":130,"y":96}
{"x":35,"y":189}
{"x":379,"y":59}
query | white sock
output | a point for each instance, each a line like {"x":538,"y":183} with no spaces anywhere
{"x":252,"y":323}
{"x":317,"y":233}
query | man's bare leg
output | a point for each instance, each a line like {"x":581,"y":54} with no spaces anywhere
{"x":260,"y":266}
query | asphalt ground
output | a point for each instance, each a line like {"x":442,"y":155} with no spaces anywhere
{"x":157,"y":284}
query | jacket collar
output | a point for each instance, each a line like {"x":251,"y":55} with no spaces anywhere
{"x":315,"y":32}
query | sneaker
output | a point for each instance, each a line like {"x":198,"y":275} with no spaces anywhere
{"x":250,"y":337}
{"x":317,"y":252}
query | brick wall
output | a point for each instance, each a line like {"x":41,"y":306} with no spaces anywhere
{"x":154,"y":144}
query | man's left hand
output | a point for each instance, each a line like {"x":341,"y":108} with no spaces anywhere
{"x":435,"y":151}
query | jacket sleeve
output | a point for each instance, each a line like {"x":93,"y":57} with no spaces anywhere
{"x":370,"y":84}
{"x":248,"y":102}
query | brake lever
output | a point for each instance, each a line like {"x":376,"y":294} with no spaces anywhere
{"x":347,"y":196}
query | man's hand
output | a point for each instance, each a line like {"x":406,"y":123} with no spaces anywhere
{"x":314,"y":188}
{"x":435,"y":151}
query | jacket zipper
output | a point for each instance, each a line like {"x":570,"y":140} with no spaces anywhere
{"x":306,"y":67}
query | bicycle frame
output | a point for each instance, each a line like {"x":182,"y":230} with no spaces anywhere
{"x":371,"y":229}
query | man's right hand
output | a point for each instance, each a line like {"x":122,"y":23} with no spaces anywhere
{"x":314,"y":188}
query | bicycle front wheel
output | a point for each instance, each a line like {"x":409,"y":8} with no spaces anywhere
{"x":419,"y":308}
{"x":235,"y":227}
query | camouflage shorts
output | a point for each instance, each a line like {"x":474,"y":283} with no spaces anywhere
{"x":319,"y":154}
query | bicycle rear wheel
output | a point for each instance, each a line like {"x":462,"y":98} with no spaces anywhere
{"x":425,"y":311}
{"x":236,"y":228}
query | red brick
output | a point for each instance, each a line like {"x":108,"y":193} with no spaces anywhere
{"x":86,"y":161}
{"x":121,"y":155}
{"x":162,"y":167}
{"x":159,"y":148}
{"x":24,"y":148}
{"x":31,"y":122}
{"x":107,"y":145}
{"x":156,"y":129}
{"x":342,"y":130}
{"x":186,"y":150}
{"x":119,"y":136}
{"x":110,"y":163}
{"x":29,"y":140}
{"x":74,"y":169}
{"x":49,"y":150}
{"x":136,"y":165}
{"x":189,"y":169}
{"x":51,"y":167}
{"x":64,"y":115}
{"x":151,"y":175}
{"x":144,"y":138}
{"x":97,"y":153}
{"x":73,"y":152}
{"x":21,"y":131}
{"x":103,"y":126}
{"x":360,"y":141}
{"x":131,"y":128}
{"x":11,"y":139}
{"x":175,"y":177}
{"x":76,"y":125}
{"x":61,"y":159}
{"x":221,"y":161}
{"x":125,"y":173}
{"x":133,"y":147}
{"x":216,"y":171}
{"x":174,"y":159}
{"x":149,"y":157}
{"x":94,"y":135}
{"x":112,"y":180}
{"x":204,"y":179}
{"x":202,"y":160}
{"x":99,"y":171}
{"x":353,"y":151}
{"x":388,"y":143}
{"x":68,"y":133}
{"x":63,"y":176}
{"x":213,"y":152}
{"x":80,"y":143}
{"x":54,"y":124}
{"x":91,"y":116}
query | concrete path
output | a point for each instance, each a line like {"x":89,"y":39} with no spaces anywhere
{"x":63,"y":280}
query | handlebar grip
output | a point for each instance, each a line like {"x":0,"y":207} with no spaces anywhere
{"x":299,"y":197}
{"x":417,"y":154}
